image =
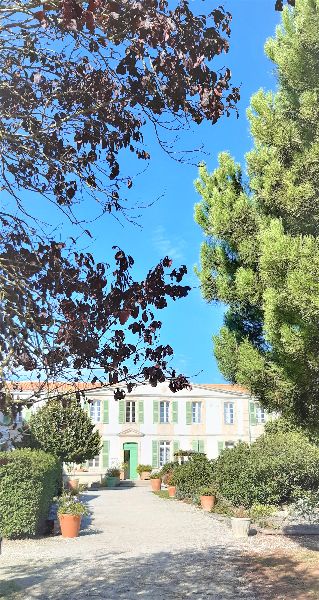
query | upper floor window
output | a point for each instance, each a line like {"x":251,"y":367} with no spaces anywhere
{"x":228,"y":413}
{"x":95,"y":411}
{"x":196,"y":412}
{"x":164,"y":453}
{"x":164,"y":412}
{"x":130,"y":412}
{"x":260,"y":414}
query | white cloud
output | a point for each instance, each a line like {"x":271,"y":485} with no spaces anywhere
{"x":175,"y":249}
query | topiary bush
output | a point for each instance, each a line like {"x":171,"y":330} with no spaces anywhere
{"x":190,"y":477}
{"x":29,"y":479}
{"x":270,"y":471}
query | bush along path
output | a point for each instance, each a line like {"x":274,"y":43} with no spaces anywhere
{"x":136,"y":544}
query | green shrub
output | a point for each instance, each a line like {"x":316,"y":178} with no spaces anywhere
{"x":194,"y":474}
{"x":270,"y":471}
{"x":29,"y":479}
{"x":260,"y":513}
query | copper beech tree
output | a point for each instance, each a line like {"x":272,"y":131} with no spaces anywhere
{"x":79,"y":81}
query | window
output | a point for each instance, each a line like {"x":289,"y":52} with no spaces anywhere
{"x":130,"y":412}
{"x":196,"y":412}
{"x":94,"y":462}
{"x":95,"y":411}
{"x":18,"y":418}
{"x":164,"y":412}
{"x":228,"y":413}
{"x":230,"y":445}
{"x":260,"y":414}
{"x":164,"y":453}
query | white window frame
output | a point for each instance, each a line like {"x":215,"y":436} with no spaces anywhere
{"x":164,"y":411}
{"x":94,"y":463}
{"x":260,"y":414}
{"x":130,"y":411}
{"x":164,"y":452}
{"x":196,"y":412}
{"x":95,"y":411}
{"x":229,"y":413}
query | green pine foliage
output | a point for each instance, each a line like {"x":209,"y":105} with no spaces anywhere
{"x":29,"y":479}
{"x":261,"y":253}
{"x":65,"y":430}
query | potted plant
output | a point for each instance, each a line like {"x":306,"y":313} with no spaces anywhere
{"x":144,"y":471}
{"x":207,"y":498}
{"x":70,"y":512}
{"x":73,"y":482}
{"x":240,"y":521}
{"x":113,"y":477}
{"x":170,"y":482}
{"x":124,"y":470}
{"x":155,"y":481}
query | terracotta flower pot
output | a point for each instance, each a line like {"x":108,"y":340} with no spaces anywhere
{"x":70,"y":525}
{"x":73,"y":484}
{"x":207,"y":502}
{"x":145,"y":475}
{"x":156,"y":484}
{"x":172,"y":491}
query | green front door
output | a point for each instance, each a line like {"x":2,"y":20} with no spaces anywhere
{"x":131,"y":448}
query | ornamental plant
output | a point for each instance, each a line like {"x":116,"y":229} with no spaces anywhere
{"x":144,"y":468}
{"x":71,"y":505}
{"x":113,"y":472}
{"x":156,"y":475}
{"x":64,"y":429}
{"x":208,"y":491}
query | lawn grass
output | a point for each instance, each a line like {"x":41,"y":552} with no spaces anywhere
{"x":163,"y":494}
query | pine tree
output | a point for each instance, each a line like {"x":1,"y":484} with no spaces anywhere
{"x":261,"y":253}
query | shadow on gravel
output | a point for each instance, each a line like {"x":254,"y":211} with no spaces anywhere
{"x":219,"y":573}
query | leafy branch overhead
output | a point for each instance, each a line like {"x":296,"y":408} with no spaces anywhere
{"x":80,"y":80}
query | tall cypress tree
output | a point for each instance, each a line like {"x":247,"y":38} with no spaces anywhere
{"x":261,"y":252}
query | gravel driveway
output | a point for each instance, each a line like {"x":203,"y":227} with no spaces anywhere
{"x":137,"y":546}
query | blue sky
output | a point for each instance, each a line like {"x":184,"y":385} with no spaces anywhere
{"x":167,"y":226}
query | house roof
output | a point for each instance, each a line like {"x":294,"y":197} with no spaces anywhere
{"x":63,"y":387}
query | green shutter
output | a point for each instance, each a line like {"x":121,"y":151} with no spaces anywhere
{"x":154,"y":454}
{"x":105,"y":455}
{"x":252,"y":413}
{"x":201,"y":446}
{"x":121,"y":411}
{"x":105,"y":411}
{"x":195,"y":444}
{"x":175,"y":446}
{"x":220,"y":447}
{"x":155,"y":411}
{"x":188,"y":412}
{"x":140,"y":411}
{"x":175,"y":411}
{"x":27,"y":415}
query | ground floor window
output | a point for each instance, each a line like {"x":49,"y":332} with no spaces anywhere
{"x":260,"y":414}
{"x":229,"y":444}
{"x":164,"y":453}
{"x":94,"y":462}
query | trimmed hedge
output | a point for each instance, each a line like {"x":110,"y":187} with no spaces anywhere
{"x":29,"y":479}
{"x":270,"y":471}
{"x":194,"y":474}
